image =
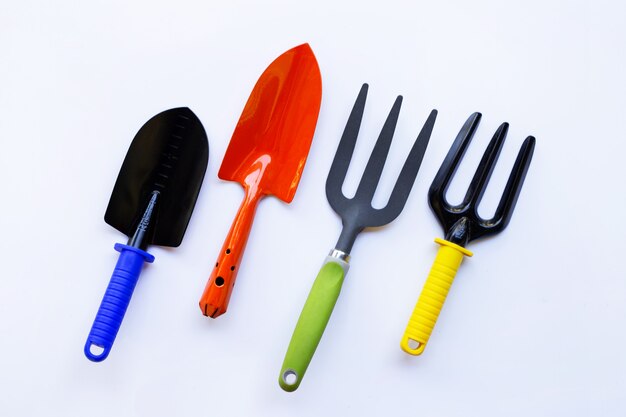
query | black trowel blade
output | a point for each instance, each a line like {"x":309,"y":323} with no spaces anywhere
{"x":169,"y":154}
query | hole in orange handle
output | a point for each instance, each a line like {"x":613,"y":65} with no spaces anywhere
{"x":219,"y":281}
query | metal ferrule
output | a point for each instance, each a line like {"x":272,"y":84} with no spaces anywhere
{"x":341,"y":255}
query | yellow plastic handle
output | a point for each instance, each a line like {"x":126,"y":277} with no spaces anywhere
{"x":434,"y":293}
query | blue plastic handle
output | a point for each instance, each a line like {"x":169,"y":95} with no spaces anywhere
{"x":115,"y":301}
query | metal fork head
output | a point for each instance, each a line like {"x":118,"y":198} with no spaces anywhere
{"x":462,"y":222}
{"x":357,"y":213}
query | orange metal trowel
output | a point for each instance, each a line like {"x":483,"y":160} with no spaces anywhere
{"x":266,"y":155}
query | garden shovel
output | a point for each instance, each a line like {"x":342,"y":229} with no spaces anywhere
{"x":266,"y":155}
{"x":151,"y":203}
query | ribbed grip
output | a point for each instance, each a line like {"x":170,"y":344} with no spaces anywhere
{"x":434,"y":293}
{"x":115,"y":302}
{"x":312,"y":323}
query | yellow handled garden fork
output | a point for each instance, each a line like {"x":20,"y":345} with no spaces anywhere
{"x":462,"y":224}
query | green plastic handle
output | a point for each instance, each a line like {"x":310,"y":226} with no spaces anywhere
{"x":311,"y":324}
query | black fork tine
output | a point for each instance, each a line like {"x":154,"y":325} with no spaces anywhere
{"x":357,"y":213}
{"x":376,"y":163}
{"x":405,"y":181}
{"x":462,"y":223}
{"x":485,"y":167}
{"x":441,"y":182}
{"x":341,"y":162}
{"x":513,"y":186}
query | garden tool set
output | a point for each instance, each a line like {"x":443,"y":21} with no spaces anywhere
{"x":160,"y":179}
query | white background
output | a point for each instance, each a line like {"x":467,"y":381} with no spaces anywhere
{"x":535,"y":322}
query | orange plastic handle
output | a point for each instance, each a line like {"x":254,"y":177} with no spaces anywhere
{"x":214,"y":301}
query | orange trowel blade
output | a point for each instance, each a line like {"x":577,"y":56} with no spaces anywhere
{"x":273,"y":136}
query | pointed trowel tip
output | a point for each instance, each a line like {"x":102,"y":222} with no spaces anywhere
{"x":306,"y":54}
{"x":303,"y":49}
{"x":184,"y":111}
{"x":187,"y":114}
{"x":304,"y":46}
{"x":180,"y":109}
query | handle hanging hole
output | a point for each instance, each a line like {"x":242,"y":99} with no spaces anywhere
{"x":96,"y":350}
{"x":228,"y":251}
{"x":413,"y":344}
{"x":290,"y":377}
{"x":219,"y":281}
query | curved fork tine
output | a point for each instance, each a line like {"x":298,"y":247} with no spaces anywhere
{"x":340,"y":164}
{"x":514,"y":185}
{"x":485,"y":167}
{"x":376,"y":163}
{"x":405,"y":181}
{"x":440,"y":184}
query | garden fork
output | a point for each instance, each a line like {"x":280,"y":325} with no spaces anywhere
{"x":462,"y":224}
{"x":356,"y":213}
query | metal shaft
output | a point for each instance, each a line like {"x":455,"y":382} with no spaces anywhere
{"x":142,"y":228}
